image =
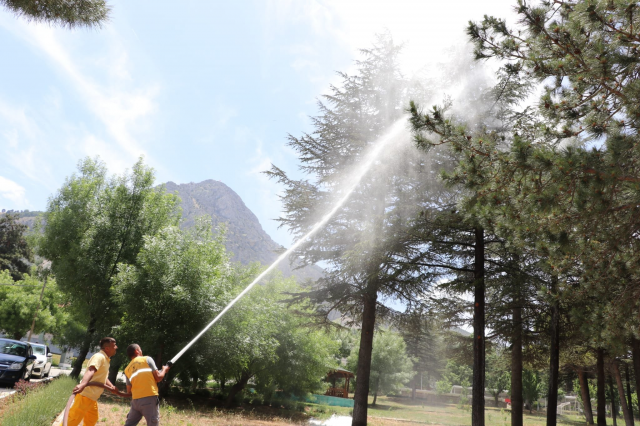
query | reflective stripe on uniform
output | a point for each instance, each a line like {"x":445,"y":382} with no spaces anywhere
{"x":142,"y":370}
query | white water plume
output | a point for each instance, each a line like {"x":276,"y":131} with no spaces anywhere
{"x":351,"y":183}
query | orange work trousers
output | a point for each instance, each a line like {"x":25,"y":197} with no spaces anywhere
{"x":83,"y":408}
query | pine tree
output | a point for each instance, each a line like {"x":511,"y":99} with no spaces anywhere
{"x":66,"y":13}
{"x":422,"y":341}
{"x":368,"y":245}
{"x":537,"y":179}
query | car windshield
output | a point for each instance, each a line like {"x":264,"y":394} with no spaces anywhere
{"x":12,"y":348}
{"x":39,"y":350}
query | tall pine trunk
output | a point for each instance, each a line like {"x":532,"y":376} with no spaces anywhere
{"x":602,"y":397}
{"x":477,"y":397}
{"x":623,"y":401}
{"x":516,"y":368}
{"x":635,"y":350}
{"x":361,"y":395}
{"x":629,"y":398}
{"x":614,"y":411}
{"x":554,"y":357}
{"x":586,"y":397}
{"x":84,"y":349}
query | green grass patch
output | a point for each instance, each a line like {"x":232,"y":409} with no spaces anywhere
{"x":40,"y":407}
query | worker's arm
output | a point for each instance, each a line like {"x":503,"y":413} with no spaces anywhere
{"x":122,"y":394}
{"x":109,"y":385}
{"x":159,"y":374}
{"x":88,"y":375}
{"x":116,"y":391}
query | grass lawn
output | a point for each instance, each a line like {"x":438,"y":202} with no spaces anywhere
{"x":113,"y":411}
{"x":41,"y":406}
{"x":389,"y":408}
{"x":388,"y":412}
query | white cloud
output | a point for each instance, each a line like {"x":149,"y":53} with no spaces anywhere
{"x":105,"y":86}
{"x":13,"y":192}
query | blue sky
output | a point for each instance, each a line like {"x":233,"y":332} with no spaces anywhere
{"x":201,"y":89}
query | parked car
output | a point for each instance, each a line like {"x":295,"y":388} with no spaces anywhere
{"x":42,"y":366}
{"x":16,"y":361}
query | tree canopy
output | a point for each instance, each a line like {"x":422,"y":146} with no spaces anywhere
{"x":20,"y":303}
{"x":94,"y":224}
{"x":15,"y":253}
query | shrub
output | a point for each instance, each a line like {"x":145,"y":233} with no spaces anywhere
{"x":442,"y":387}
{"x":24,"y":388}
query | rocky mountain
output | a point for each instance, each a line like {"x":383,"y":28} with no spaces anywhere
{"x":245,"y":237}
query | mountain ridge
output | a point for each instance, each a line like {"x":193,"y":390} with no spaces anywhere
{"x":246,"y":239}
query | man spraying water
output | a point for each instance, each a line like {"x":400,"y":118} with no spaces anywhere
{"x":142,"y":377}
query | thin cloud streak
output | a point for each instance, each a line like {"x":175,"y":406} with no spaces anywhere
{"x":120,"y":108}
{"x":117,"y":110}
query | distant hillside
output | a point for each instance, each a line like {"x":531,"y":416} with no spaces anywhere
{"x":245,"y":237}
{"x":27,"y":217}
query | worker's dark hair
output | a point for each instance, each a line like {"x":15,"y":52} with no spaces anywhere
{"x":106,"y":340}
{"x":131,"y":350}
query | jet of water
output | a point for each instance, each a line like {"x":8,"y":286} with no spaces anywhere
{"x":354,"y":180}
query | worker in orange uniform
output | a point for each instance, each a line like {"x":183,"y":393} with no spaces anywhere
{"x":142,"y":377}
{"x":85,"y":403}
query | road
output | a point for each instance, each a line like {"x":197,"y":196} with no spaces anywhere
{"x":8,"y":390}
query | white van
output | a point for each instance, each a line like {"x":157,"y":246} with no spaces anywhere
{"x":42,"y":366}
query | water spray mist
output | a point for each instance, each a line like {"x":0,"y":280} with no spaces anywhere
{"x":353,"y":182}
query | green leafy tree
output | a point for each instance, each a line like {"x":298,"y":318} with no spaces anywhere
{"x":20,"y":303}
{"x":15,"y":253}
{"x":69,"y":13}
{"x":391,"y":366}
{"x":347,"y":339}
{"x":497,"y":373}
{"x":263,"y":339}
{"x":176,"y":285}
{"x":92,"y":226}
{"x":532,"y":387}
